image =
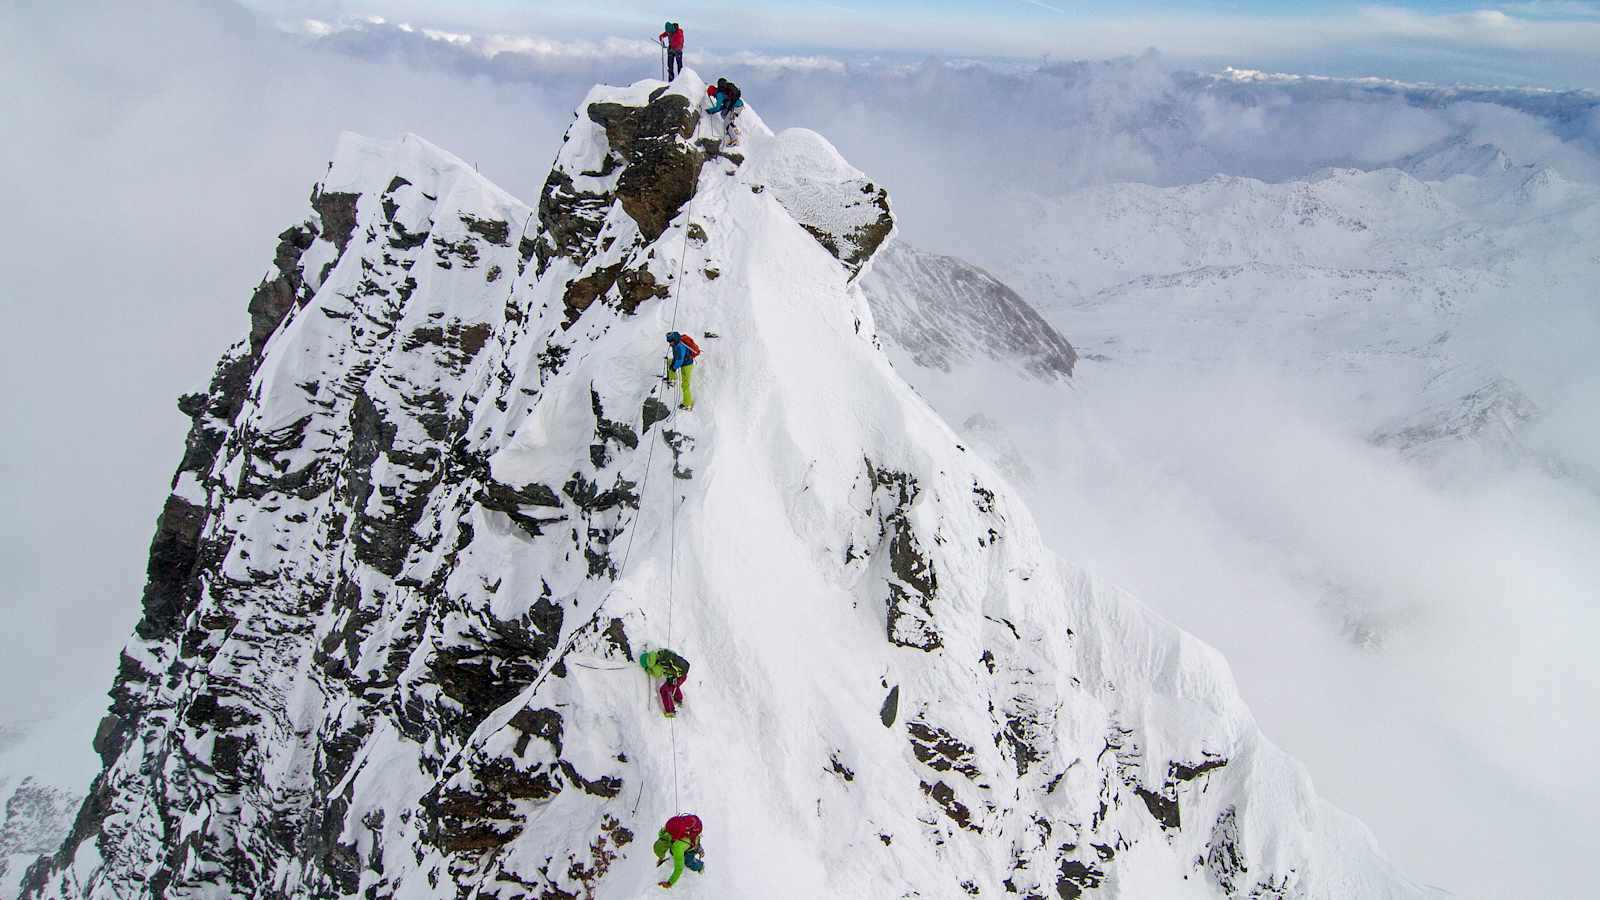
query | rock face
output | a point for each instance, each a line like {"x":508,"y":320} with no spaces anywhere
{"x":944,"y":313}
{"x":421,"y":527}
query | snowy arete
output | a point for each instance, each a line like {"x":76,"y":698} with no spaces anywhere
{"x":439,"y":500}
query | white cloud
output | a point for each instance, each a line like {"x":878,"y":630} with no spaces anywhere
{"x":1529,"y":43}
{"x":1485,"y":28}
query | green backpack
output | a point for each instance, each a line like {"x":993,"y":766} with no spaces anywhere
{"x":671,"y":663}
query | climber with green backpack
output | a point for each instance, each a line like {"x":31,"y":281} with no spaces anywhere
{"x":672,"y":669}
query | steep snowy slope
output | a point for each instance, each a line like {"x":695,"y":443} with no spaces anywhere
{"x":438,"y":500}
{"x":939,"y":312}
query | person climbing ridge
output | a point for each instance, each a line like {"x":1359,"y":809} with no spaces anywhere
{"x":684,"y":350}
{"x":680,"y":838}
{"x":727,"y":100}
{"x":672,"y":39}
{"x":673,"y":669}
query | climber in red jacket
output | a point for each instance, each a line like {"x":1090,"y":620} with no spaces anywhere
{"x":672,"y":39}
{"x":679,"y":840}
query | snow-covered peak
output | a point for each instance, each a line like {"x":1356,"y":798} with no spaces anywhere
{"x":945,"y":314}
{"x":433,"y":508}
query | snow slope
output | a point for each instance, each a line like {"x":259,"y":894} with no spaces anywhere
{"x":435,"y":504}
{"x":942,"y":313}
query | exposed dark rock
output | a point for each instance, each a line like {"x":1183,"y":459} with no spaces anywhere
{"x":492,"y":669}
{"x":915,"y":584}
{"x":383,"y":537}
{"x":456,"y":343}
{"x":450,"y":253}
{"x":1023,"y":734}
{"x":591,"y":499}
{"x":271,"y":302}
{"x":680,"y":444}
{"x":607,"y":431}
{"x":582,"y":292}
{"x":569,"y":219}
{"x":1223,"y":857}
{"x":654,"y":411}
{"x":839,"y":768}
{"x":945,"y":795}
{"x":1164,"y":809}
{"x":617,"y":637}
{"x":1163,"y":803}
{"x":606,"y":786}
{"x":494,"y":231}
{"x":1075,"y":877}
{"x":662,"y":168}
{"x":891,"y":707}
{"x":551,"y":359}
{"x":635,"y":286}
{"x":170,"y":591}
{"x":514,"y":502}
{"x":338,"y":214}
{"x":940,"y":750}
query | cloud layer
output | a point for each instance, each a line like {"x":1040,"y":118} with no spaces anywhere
{"x":1542,"y":43}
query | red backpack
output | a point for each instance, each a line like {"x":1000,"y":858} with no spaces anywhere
{"x":694,"y":349}
{"x":685,"y":827}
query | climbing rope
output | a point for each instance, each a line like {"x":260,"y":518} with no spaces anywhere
{"x":672,"y":528}
{"x":627,"y":553}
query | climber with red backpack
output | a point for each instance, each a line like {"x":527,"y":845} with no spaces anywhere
{"x":684,"y":350}
{"x":680,"y":838}
{"x":672,"y":40}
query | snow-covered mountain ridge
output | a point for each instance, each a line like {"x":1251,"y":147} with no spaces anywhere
{"x":944,"y":313}
{"x":421,"y":527}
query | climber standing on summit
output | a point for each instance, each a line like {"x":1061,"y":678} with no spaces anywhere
{"x":672,"y":39}
{"x":684,"y":350}
{"x":680,"y":838}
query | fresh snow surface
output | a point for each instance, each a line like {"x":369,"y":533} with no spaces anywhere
{"x":938,"y":312}
{"x":811,"y":536}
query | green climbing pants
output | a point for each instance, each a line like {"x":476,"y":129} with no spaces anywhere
{"x":665,"y":844}
{"x":688,"y":374}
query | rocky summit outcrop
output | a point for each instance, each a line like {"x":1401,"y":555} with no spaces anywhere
{"x":437,"y":499}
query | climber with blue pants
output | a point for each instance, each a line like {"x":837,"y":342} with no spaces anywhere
{"x":684,"y":350}
{"x":680,"y":839}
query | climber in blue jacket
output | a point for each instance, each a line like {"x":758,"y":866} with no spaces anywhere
{"x":684,"y":350}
